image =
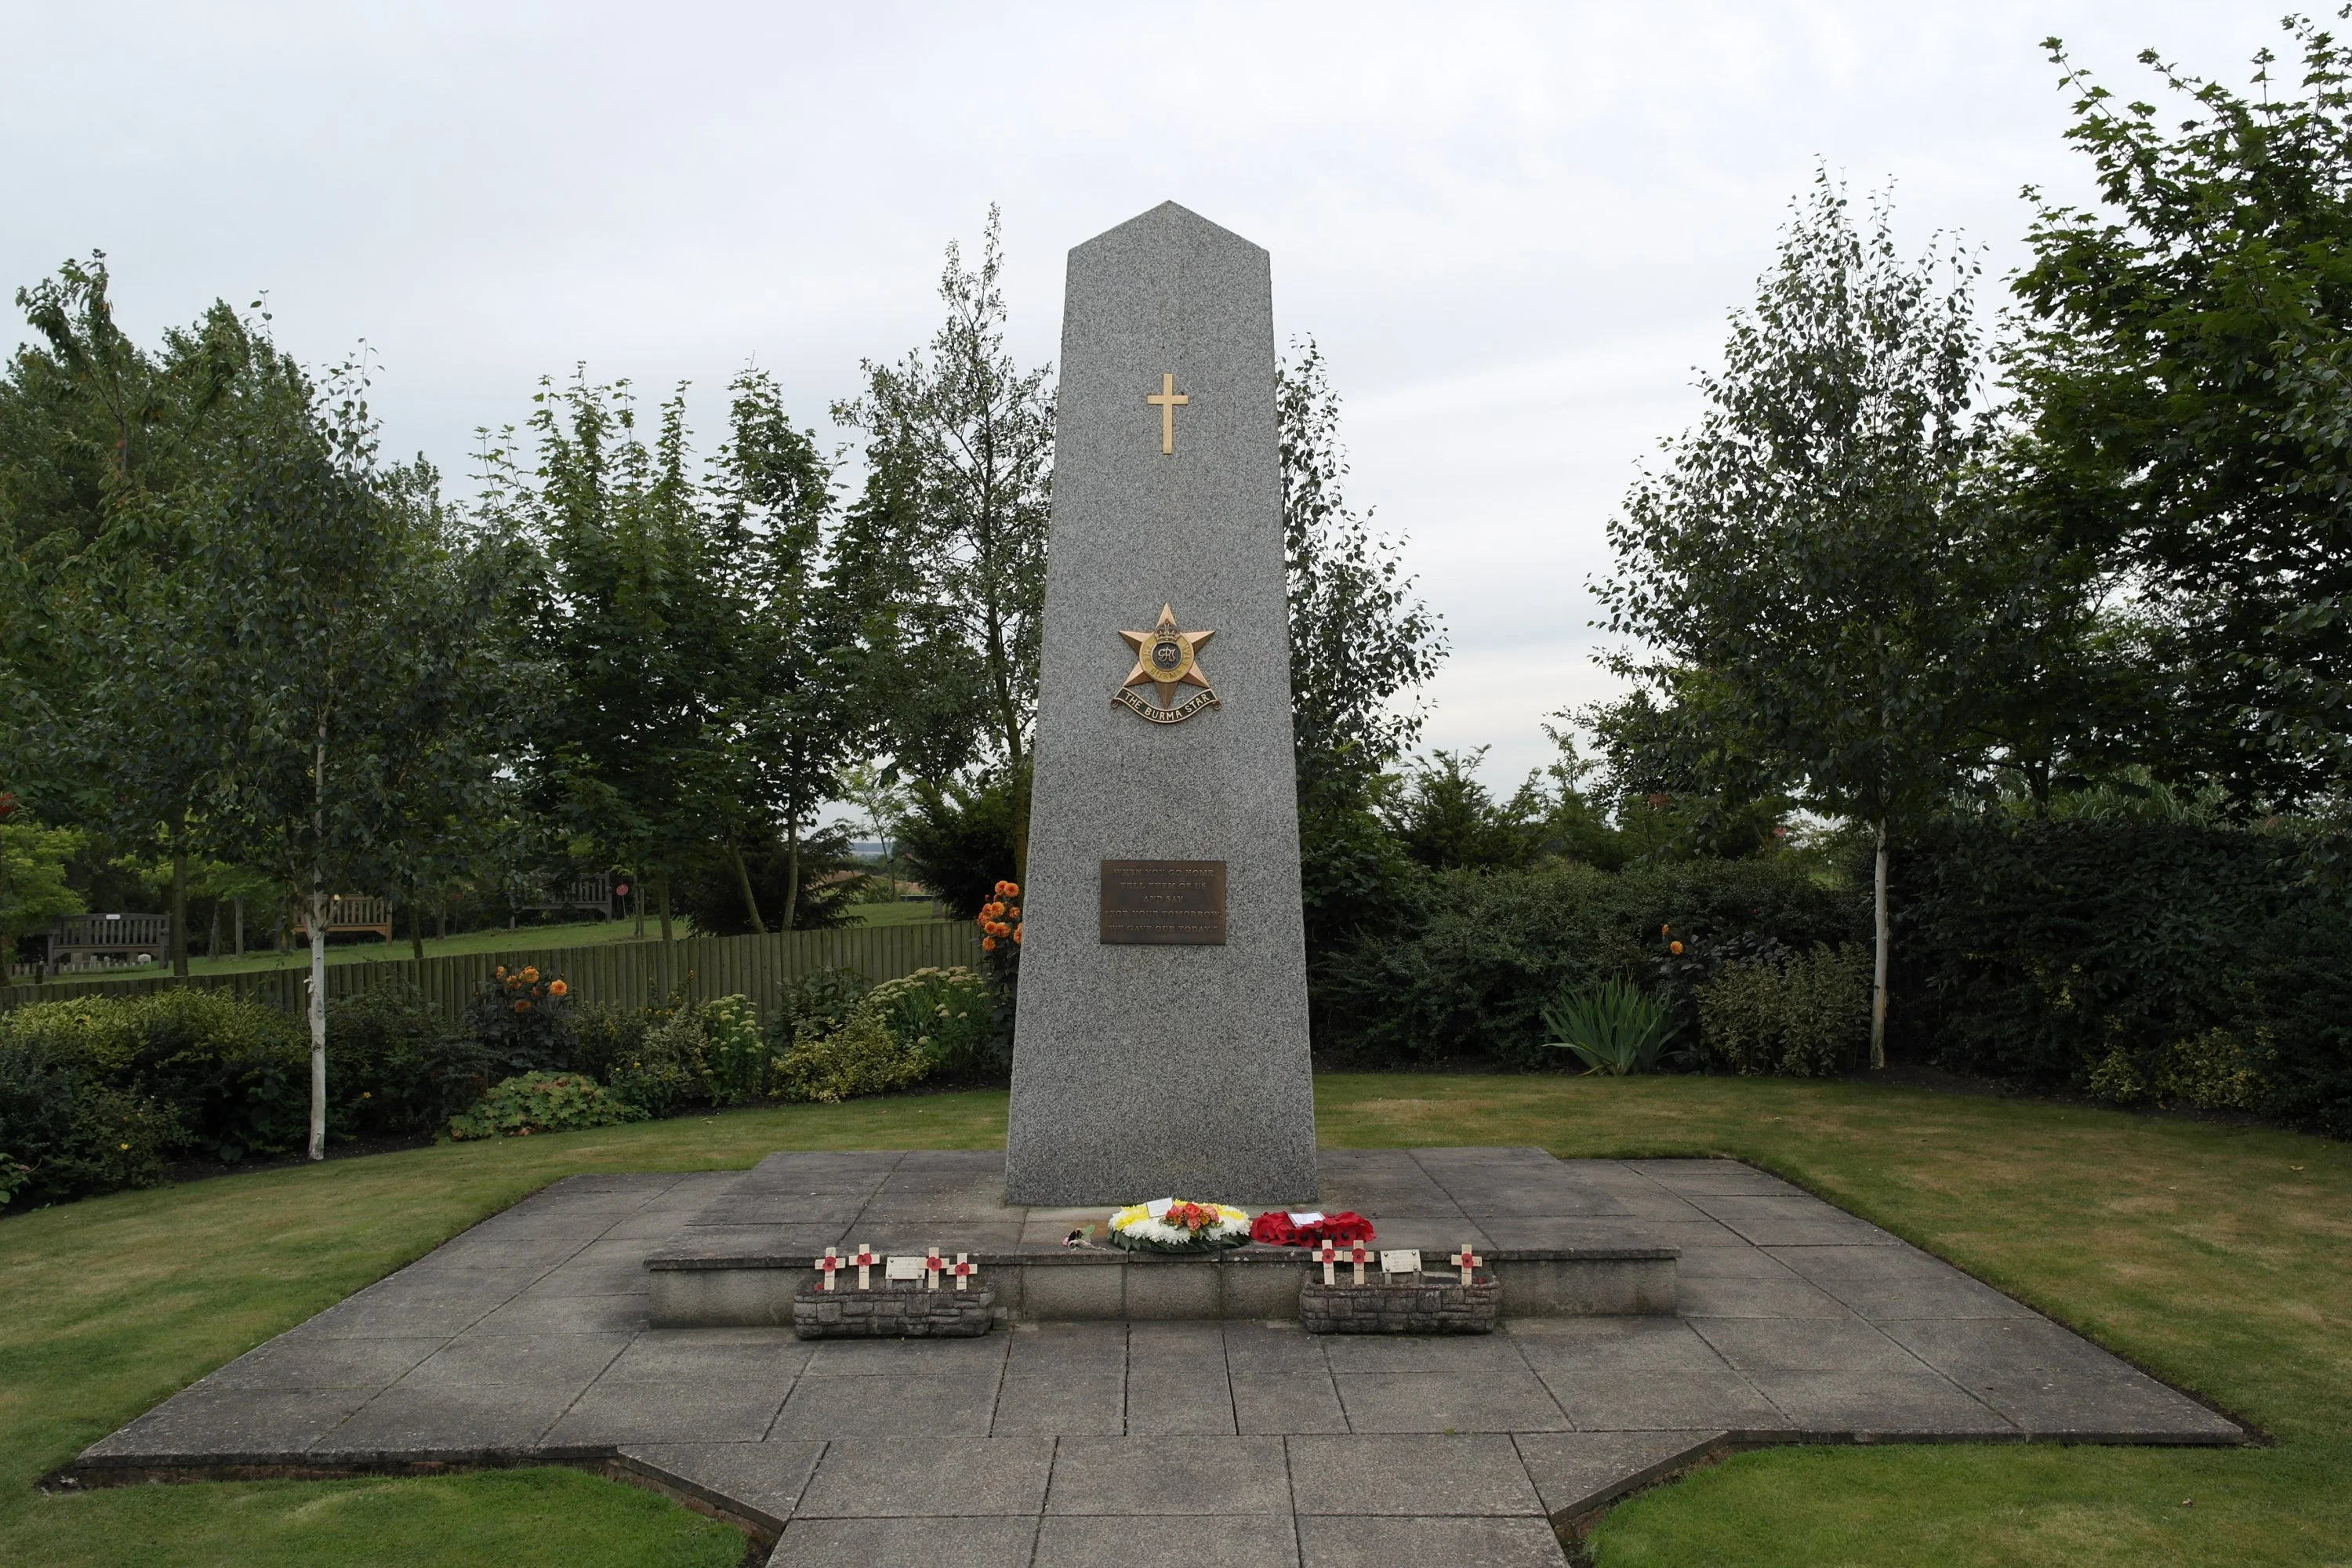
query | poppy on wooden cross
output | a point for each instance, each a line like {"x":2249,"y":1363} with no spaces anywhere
{"x":1359,"y":1256}
{"x":933,"y":1264}
{"x":1327,"y":1255}
{"x":964,"y":1269}
{"x":827,"y":1266}
{"x":865,"y":1259}
{"x":1466,"y":1260}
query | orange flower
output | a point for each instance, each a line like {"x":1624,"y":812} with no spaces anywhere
{"x":1017,"y":936}
{"x":1009,"y":889}
{"x":521,"y":1007}
{"x":1663,"y":930}
{"x":500,"y":971}
{"x":992,"y":910}
{"x":558,"y":989}
{"x":1014,"y":912}
{"x":1676,"y":948}
{"x":531,"y":976}
{"x":988,"y":945}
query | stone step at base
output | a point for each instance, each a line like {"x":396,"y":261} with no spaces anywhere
{"x":753,"y":1289}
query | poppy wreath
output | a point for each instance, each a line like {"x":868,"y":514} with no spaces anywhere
{"x":1276,"y":1228}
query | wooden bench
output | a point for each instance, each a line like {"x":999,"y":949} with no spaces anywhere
{"x":346,"y":913}
{"x":79,"y":940}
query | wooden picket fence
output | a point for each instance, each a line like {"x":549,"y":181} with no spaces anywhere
{"x":632,"y":972}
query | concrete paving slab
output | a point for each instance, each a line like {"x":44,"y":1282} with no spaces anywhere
{"x":1061,"y":1404}
{"x":905,"y":1478}
{"x":1696,"y":1177}
{"x":1287,"y":1402}
{"x":287,"y":1364}
{"x":1178,"y":1541}
{"x":611,"y":1413}
{"x":452,"y":1425}
{"x":1492,"y":1398}
{"x":905,"y":1405}
{"x":874,"y":1357}
{"x":863,"y":1542}
{"x":1770,"y":1220}
{"x":1216,"y":1474}
{"x":229,"y":1427}
{"x":1167,"y":1400}
{"x":759,"y":1481}
{"x":1899,"y":1282}
{"x":1261,"y":1350}
{"x":1053,"y":1349}
{"x":1575,"y":1472}
{"x":2050,"y":1383}
{"x":1417,"y":1474}
{"x":1361,"y":1543}
{"x":565,"y":1315}
{"x":474,"y":1359}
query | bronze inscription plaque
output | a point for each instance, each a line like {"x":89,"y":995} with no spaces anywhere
{"x":1181,"y":901}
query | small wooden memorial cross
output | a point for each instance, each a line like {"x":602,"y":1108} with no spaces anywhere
{"x":964,"y":1269}
{"x":1467,"y":1261}
{"x":933,"y":1264}
{"x":1327,"y":1255}
{"x":1357,"y":1255}
{"x":827,"y":1266}
{"x":865,"y":1260}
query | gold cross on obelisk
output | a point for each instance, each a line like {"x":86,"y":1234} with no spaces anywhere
{"x":1166,"y":397}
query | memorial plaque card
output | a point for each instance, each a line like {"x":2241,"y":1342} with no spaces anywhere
{"x":1178,"y":902}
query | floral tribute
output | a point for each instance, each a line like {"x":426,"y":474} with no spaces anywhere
{"x":1178,"y":1225}
{"x":1278,"y":1227}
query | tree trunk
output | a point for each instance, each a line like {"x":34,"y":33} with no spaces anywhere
{"x":180,"y":903}
{"x":750,"y":902}
{"x":441,"y":911}
{"x":318,"y":1016}
{"x":663,"y":888}
{"x":415,"y":927}
{"x":792,"y":877}
{"x":637,"y":902}
{"x":318,"y":948}
{"x":240,"y":925}
{"x":1878,"y":979}
{"x":212,"y":938}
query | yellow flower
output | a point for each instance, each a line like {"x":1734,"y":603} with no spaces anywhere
{"x":122,"y":1146}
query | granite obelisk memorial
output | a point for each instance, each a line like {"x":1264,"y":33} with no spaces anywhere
{"x":1161,"y":1044}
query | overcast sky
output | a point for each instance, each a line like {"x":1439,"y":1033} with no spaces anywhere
{"x":1514,"y":229}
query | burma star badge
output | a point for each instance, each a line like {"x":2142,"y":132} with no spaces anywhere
{"x":1166,"y":658}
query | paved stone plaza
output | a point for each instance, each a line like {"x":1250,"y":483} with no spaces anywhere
{"x":1177,"y":1442}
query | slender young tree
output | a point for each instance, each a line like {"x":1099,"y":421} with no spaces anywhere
{"x":791,"y":716}
{"x":965,"y":438}
{"x":345,"y":639}
{"x":1809,"y":570}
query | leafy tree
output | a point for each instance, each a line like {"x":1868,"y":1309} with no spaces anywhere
{"x":2183,"y":367}
{"x":792,"y":714}
{"x":1446,"y":819}
{"x":344,"y":634}
{"x":961,"y":443}
{"x":1360,"y":642}
{"x":631,"y":622}
{"x":34,"y":894}
{"x":1810,"y":568}
{"x":107,"y":450}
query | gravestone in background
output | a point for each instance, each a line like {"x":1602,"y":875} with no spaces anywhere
{"x":1162,"y":1044}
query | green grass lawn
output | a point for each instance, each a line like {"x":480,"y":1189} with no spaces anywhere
{"x":2220,"y":1257}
